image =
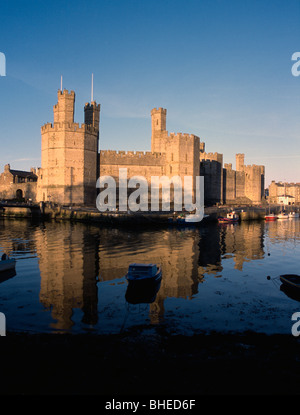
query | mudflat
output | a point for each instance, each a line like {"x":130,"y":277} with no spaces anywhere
{"x":150,"y":362}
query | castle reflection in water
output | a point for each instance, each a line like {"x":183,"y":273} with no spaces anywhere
{"x":76,"y":259}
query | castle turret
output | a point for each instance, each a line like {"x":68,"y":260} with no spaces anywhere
{"x":240,"y":161}
{"x":92,"y":114}
{"x":159,"y":122}
{"x":64,"y":109}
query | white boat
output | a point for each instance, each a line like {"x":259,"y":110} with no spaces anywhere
{"x":7,"y":264}
{"x":144,"y":272}
{"x":282,"y":215}
{"x":293,"y":215}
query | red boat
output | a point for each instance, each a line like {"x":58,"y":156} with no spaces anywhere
{"x":270,"y":217}
{"x":230,"y":218}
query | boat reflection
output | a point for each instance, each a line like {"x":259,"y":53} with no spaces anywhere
{"x":142,"y":292}
{"x":294,"y":294}
{"x":6,"y":275}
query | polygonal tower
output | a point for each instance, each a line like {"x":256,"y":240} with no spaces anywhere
{"x":68,"y":172}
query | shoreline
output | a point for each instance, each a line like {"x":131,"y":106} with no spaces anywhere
{"x":139,"y":362}
{"x":93,"y":216}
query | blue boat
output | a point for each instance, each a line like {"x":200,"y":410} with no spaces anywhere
{"x":7,"y":264}
{"x":143,"y":283}
{"x":291,"y":281}
{"x":144,"y":272}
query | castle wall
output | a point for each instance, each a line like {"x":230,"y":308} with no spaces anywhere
{"x":239,"y":184}
{"x":211,"y":167}
{"x":254,"y":182}
{"x":229,"y":183}
{"x":138,"y":163}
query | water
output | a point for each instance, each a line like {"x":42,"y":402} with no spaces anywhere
{"x":71,"y":277}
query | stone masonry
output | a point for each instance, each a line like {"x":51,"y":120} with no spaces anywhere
{"x":71,"y":161}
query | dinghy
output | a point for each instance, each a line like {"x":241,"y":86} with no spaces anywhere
{"x":144,"y":272}
{"x":7,"y":264}
{"x":291,"y":281}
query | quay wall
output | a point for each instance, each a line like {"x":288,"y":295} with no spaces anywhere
{"x":119,"y":218}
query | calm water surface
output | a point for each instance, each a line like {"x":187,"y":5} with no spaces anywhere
{"x":70,"y":277}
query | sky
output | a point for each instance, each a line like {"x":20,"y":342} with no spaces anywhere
{"x":222,"y":69}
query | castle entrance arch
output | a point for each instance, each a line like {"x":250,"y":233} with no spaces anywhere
{"x":19,"y":194}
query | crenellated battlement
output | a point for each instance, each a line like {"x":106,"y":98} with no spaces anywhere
{"x":66,"y":126}
{"x":254,"y":169}
{"x":146,"y":158}
{"x":128,"y":153}
{"x":66,"y":92}
{"x":228,"y":166}
{"x":183,"y":136}
{"x":64,"y":95}
{"x":91,"y":106}
{"x":160,"y":109}
{"x":211,"y":156}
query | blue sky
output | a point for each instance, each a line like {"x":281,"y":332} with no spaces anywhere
{"x":221,"y":68}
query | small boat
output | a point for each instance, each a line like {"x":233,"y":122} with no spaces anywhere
{"x":7,"y":264}
{"x":282,"y":215}
{"x":270,"y":217}
{"x":293,"y":215}
{"x":143,"y":283}
{"x":144,"y":272}
{"x":229,"y":218}
{"x":291,"y":281}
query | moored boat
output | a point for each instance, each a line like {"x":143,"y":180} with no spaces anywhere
{"x":282,"y":215}
{"x":293,"y":215}
{"x":143,"y":283}
{"x":7,"y":264}
{"x":229,"y":218}
{"x":291,"y":281}
{"x":270,"y":217}
{"x":144,"y":272}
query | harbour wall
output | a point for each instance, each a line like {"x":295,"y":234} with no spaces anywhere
{"x":124,"y":218}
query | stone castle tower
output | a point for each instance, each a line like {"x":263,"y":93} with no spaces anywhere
{"x":159,"y":126}
{"x":181,"y":150}
{"x":69,"y":168}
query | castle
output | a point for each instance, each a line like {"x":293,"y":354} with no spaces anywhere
{"x":71,"y":162}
